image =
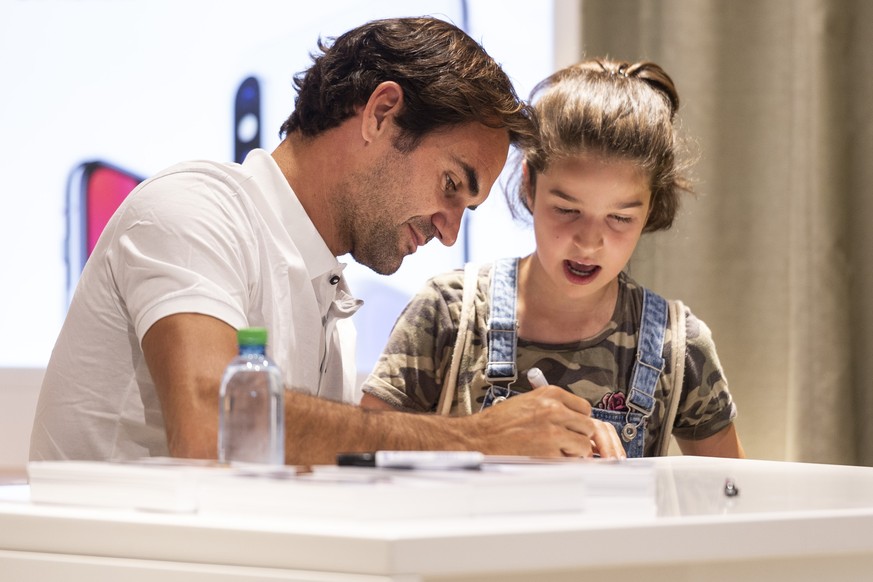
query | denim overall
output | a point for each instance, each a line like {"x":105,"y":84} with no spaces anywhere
{"x":503,"y":339}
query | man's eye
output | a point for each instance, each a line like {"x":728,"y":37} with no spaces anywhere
{"x":450,"y":185}
{"x":560,"y":210}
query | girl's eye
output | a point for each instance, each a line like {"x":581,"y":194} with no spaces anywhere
{"x":622,"y":219}
{"x":560,"y":210}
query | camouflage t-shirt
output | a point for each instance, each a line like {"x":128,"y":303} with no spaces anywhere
{"x":410,"y":372}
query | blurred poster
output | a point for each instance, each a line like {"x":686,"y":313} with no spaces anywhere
{"x":100,"y":95}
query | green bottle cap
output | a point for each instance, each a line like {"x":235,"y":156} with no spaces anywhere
{"x":252,"y":336}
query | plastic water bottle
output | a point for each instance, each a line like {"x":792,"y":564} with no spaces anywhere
{"x":251,"y":421}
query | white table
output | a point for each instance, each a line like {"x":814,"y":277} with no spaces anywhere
{"x":790,"y":521}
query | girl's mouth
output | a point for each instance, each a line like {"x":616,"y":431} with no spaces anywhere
{"x":580,"y":272}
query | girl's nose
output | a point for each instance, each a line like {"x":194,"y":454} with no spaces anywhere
{"x":588,"y":236}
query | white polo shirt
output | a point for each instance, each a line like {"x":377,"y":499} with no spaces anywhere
{"x":226,"y":240}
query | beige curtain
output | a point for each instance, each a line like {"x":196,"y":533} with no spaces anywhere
{"x":775,"y":251}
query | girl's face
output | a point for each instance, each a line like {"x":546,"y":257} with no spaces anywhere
{"x":589,"y":214}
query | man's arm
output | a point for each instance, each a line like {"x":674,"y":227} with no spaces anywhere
{"x":187,"y":354}
{"x":603,"y":438}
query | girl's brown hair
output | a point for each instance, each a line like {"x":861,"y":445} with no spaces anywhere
{"x":611,"y":109}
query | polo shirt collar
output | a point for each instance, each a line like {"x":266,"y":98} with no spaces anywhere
{"x":283,"y":203}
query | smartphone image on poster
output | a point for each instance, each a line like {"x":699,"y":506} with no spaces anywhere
{"x":246,"y":118}
{"x":94,"y":191}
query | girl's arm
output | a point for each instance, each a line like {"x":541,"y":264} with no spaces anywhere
{"x":370,"y":401}
{"x":725,"y":443}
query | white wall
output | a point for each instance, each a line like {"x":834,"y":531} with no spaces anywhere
{"x":19,"y":388}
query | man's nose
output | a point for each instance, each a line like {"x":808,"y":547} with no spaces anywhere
{"x":448,"y":224}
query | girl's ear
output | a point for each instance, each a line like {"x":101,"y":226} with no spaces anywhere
{"x":528,"y":186}
{"x":651,"y":207}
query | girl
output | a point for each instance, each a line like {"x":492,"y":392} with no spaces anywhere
{"x":602,"y":173}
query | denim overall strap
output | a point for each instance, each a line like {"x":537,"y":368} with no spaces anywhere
{"x":503,"y":322}
{"x":649,"y":363}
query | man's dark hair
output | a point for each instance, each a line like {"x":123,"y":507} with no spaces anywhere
{"x":447,"y":79}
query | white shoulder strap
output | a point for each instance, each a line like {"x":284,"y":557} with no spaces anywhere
{"x":471,"y":284}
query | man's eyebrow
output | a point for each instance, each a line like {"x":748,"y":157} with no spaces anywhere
{"x":472,"y":177}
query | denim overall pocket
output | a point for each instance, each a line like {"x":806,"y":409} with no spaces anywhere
{"x":630,"y":427}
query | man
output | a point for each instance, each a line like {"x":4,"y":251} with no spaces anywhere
{"x":399,"y":125}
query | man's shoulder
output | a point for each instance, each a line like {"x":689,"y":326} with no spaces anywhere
{"x":200,"y":170}
{"x":194,"y":187}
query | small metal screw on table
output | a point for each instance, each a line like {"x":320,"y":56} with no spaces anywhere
{"x":730,"y":488}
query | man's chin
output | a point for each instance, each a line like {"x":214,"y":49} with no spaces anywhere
{"x":380,"y":265}
{"x":382,"y":270}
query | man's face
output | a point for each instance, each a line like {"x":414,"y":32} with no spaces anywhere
{"x":405,"y":199}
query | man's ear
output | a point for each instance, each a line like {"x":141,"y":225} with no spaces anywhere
{"x":385,"y":102}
